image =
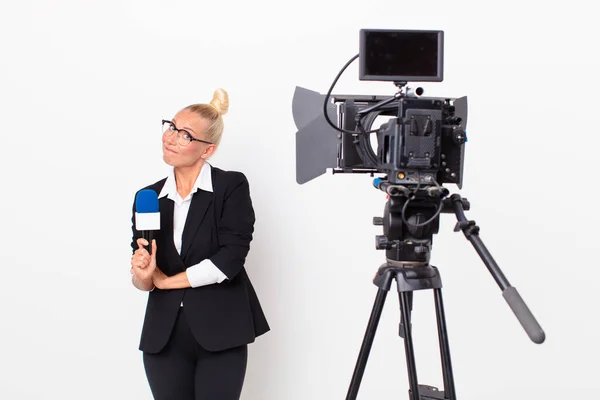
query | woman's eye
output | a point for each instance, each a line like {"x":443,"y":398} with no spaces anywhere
{"x":187,"y":136}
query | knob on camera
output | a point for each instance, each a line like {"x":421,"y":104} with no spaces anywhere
{"x":459,"y":136}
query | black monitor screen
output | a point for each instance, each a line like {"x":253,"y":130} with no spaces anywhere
{"x":401,"y":55}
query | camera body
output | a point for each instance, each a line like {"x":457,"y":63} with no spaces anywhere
{"x":423,"y":141}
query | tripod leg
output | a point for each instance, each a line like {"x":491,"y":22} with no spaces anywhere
{"x":410,"y":307}
{"x":405,"y":303}
{"x":366,"y":344}
{"x":449,"y":391}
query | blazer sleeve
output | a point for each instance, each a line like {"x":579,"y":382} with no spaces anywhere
{"x":236,"y":227}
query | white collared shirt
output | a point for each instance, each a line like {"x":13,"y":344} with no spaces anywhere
{"x":205,"y":272}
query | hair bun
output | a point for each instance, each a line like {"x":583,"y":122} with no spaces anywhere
{"x":220,"y":101}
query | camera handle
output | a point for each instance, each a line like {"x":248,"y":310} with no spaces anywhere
{"x":510,"y":294}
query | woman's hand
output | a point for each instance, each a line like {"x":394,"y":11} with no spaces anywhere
{"x":143,"y":264}
{"x":159,"y":279}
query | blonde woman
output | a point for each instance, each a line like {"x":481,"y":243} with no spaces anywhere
{"x":202,"y":310}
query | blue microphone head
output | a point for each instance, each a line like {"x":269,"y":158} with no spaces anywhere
{"x":146,"y":201}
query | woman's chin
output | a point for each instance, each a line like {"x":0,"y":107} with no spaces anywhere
{"x":169,"y":160}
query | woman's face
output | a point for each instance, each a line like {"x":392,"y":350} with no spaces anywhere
{"x":178,"y":155}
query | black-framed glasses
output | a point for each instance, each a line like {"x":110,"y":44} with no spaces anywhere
{"x":184,"y":137}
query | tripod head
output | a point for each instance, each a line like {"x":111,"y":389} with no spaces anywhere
{"x":411,"y":218}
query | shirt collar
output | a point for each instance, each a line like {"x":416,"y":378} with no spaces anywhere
{"x":203,"y":182}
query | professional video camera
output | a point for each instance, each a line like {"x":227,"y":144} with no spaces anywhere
{"x":420,"y":148}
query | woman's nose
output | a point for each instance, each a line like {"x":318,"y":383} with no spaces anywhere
{"x":170,"y":139}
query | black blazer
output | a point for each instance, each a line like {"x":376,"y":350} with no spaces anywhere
{"x":219,"y":226}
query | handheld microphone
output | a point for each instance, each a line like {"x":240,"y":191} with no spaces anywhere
{"x":147,"y":216}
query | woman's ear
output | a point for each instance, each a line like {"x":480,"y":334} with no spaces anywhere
{"x":209,"y":151}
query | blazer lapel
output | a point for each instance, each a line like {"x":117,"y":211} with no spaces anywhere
{"x":166,"y":231}
{"x":201,"y":200}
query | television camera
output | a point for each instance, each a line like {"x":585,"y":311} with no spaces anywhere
{"x":419,"y":148}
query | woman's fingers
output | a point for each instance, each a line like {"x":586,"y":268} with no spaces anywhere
{"x":141,"y":257}
{"x":140,"y":262}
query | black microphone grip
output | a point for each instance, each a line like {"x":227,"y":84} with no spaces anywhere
{"x":148,"y":235}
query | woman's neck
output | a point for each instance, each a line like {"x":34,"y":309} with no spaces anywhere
{"x":185,"y":177}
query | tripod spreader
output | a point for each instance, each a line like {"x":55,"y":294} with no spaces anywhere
{"x":512,"y":297}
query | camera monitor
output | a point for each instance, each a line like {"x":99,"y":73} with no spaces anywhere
{"x":401,"y":55}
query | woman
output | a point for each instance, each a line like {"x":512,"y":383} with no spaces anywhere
{"x":202,"y":310}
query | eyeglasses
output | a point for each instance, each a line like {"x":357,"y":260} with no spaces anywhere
{"x":184,"y":138}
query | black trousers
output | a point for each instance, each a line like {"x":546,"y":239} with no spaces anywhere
{"x":184,"y":370}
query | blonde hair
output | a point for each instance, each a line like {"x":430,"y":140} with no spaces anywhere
{"x":213,"y":112}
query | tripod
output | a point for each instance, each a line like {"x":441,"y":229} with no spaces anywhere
{"x":408,"y":232}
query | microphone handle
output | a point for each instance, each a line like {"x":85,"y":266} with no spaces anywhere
{"x":148,"y":235}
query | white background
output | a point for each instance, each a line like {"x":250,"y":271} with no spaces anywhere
{"x":83,"y":88}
